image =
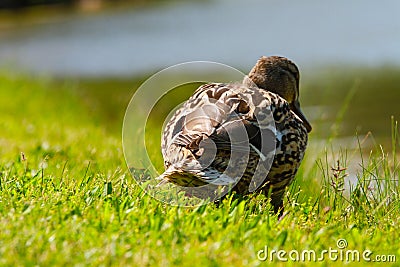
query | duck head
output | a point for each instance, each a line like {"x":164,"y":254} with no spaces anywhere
{"x":281,"y":76}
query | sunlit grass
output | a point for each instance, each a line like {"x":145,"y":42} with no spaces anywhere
{"x":66,"y":197}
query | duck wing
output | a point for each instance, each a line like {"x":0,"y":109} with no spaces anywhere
{"x":232,"y":116}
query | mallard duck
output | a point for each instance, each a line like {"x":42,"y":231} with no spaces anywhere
{"x":244,"y":136}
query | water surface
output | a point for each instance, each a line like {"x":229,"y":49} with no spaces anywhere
{"x":138,"y":40}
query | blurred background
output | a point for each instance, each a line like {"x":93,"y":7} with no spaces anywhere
{"x":348,"y":52}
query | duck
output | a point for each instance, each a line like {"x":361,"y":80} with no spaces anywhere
{"x":243,"y":137}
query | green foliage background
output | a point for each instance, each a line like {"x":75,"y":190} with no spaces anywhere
{"x":66,"y":197}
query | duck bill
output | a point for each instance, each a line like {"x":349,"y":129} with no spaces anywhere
{"x":296,"y":109}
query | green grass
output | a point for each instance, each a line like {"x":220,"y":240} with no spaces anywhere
{"x":66,"y":197}
{"x":374,"y":91}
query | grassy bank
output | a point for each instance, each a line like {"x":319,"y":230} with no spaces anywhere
{"x":66,"y":197}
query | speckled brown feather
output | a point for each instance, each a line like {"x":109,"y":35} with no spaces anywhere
{"x":195,"y":142}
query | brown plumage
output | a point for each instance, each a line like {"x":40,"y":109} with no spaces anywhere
{"x":240,"y":136}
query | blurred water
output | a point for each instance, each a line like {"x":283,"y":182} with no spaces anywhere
{"x":133,"y":41}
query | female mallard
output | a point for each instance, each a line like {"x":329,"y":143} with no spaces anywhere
{"x":248,"y":136}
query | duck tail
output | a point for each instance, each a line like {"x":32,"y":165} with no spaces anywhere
{"x":180,"y":177}
{"x":207,"y":184}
